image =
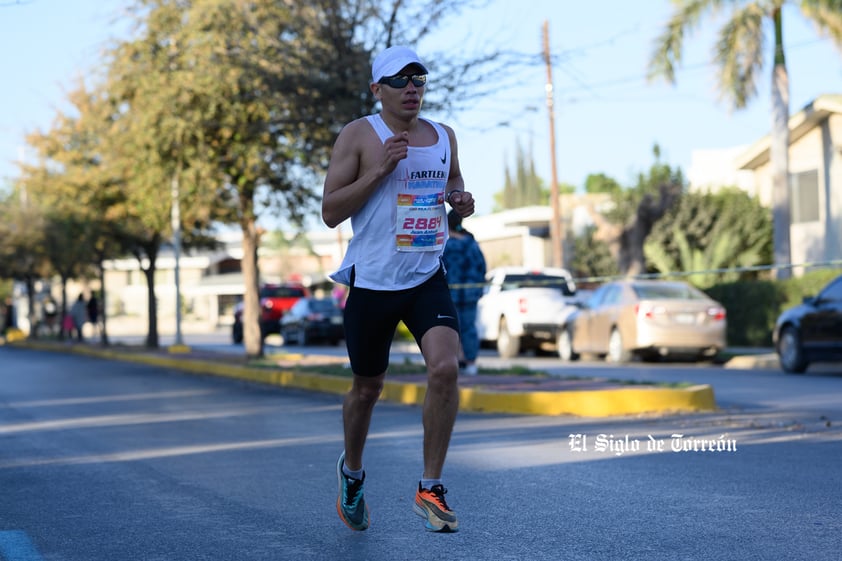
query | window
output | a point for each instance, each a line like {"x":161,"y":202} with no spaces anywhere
{"x":513,"y":281}
{"x":671,"y":291}
{"x":804,"y":197}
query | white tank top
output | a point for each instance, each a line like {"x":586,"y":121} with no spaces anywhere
{"x":400,"y":232}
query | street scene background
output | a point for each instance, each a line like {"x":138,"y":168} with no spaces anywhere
{"x":111,"y":460}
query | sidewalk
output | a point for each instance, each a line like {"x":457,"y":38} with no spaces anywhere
{"x":489,"y":393}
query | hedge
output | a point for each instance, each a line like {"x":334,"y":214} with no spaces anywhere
{"x":753,"y":306}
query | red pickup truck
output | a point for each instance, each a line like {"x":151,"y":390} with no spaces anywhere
{"x":275,"y":300}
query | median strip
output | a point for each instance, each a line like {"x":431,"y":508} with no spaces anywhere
{"x":522,"y":395}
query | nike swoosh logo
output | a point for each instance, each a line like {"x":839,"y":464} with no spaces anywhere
{"x":444,"y":317}
{"x":444,"y":158}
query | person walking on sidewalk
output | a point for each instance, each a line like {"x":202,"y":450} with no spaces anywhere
{"x":93,"y":312}
{"x":465,"y":266}
{"x":79,"y":313}
{"x":391,"y":173}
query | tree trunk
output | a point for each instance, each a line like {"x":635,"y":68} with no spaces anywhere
{"x":252,"y":336}
{"x":102,"y":314}
{"x":30,"y":302}
{"x":633,"y":236}
{"x":62,"y":332}
{"x":779,"y":158}
{"x":152,"y":340}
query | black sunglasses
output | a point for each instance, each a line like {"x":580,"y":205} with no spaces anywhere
{"x":401,"y":80}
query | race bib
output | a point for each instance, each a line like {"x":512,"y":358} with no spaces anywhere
{"x":420,"y":222}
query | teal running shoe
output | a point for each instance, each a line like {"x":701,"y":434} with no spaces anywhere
{"x":350,"y":504}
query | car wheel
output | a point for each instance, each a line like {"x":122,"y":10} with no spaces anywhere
{"x":616,"y":352}
{"x":791,"y":352}
{"x":508,"y":345}
{"x":564,"y":344}
{"x":237,"y":333}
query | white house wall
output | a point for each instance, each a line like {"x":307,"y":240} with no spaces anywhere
{"x":807,"y":240}
{"x":833,"y":185}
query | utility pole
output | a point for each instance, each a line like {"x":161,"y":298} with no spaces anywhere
{"x":555,"y":226}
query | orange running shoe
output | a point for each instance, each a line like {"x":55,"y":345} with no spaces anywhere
{"x":430,"y":505}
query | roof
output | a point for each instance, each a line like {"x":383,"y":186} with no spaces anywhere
{"x":799,"y":124}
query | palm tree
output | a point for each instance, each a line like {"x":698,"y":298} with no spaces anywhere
{"x":739,"y":59}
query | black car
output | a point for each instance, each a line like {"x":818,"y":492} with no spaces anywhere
{"x":312,"y":320}
{"x":811,"y":332}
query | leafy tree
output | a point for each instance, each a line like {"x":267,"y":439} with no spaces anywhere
{"x":22,"y":255}
{"x":249,"y":96}
{"x":523,"y":187}
{"x":197,"y":100}
{"x":638,"y":209}
{"x":739,"y":57}
{"x":601,"y":183}
{"x":76,"y":179}
{"x":712,"y":231}
{"x":592,"y":258}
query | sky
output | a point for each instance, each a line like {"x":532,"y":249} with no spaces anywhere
{"x":607,"y":117}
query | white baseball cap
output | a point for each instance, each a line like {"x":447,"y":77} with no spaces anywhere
{"x":393,"y":60}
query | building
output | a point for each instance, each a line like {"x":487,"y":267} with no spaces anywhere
{"x":815,"y":186}
{"x":815,"y":166}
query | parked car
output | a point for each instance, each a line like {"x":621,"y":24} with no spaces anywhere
{"x":645,"y":318}
{"x":812,"y":331}
{"x":275,"y":300}
{"x":312,"y":320}
{"x":520,"y":308}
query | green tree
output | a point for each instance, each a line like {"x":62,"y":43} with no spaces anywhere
{"x":639,"y":208}
{"x":709,"y":232}
{"x":592,"y":257}
{"x":739,"y":58}
{"x":247,"y":97}
{"x":22,"y":243}
{"x":601,"y":183}
{"x":523,"y":187}
{"x":83,"y":180}
{"x":187,"y":118}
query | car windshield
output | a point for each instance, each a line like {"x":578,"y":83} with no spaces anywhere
{"x":667,"y":292}
{"x":281,"y":292}
{"x":536,"y":280}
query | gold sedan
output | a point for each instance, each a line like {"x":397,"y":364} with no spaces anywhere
{"x":645,"y":318}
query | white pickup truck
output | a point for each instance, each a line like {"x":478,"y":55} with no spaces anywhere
{"x":522,"y":308}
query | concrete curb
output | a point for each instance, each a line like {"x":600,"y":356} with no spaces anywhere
{"x":767,"y":361}
{"x":584,"y":403}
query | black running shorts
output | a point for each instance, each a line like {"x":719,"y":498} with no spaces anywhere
{"x":372,"y":316}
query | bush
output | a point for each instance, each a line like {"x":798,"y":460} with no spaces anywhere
{"x":754,"y":306}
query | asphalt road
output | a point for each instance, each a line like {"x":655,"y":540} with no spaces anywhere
{"x":111,"y":461}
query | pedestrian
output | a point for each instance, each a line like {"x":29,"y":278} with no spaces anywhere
{"x":391,"y":173}
{"x":465,"y":265}
{"x":79,"y":314}
{"x":50,"y":314}
{"x":93,"y":312}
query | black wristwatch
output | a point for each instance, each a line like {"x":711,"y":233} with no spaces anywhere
{"x":449,"y":193}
